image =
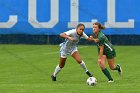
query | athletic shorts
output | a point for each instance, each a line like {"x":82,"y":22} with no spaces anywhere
{"x":64,"y":54}
{"x":110,"y":54}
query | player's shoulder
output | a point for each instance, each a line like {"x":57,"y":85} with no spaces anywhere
{"x":84,"y":33}
{"x":71,"y":30}
{"x":101,"y":35}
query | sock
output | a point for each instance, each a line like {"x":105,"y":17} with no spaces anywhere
{"x":107,"y":74}
{"x":116,"y":67}
{"x":83,"y":65}
{"x":57,"y":70}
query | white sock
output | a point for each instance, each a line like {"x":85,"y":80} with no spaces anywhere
{"x":57,"y":70}
{"x":83,"y":65}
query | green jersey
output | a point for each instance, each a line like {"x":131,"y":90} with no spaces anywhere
{"x":109,"y":51}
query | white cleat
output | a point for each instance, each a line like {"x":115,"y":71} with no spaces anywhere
{"x":110,"y":81}
{"x":119,"y":70}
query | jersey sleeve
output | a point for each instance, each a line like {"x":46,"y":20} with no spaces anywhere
{"x":101,"y":41}
{"x":69,"y":32}
{"x":84,"y":36}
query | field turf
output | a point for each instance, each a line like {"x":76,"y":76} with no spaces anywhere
{"x":27,"y":69}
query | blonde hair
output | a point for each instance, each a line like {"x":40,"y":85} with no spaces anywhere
{"x":100,"y":26}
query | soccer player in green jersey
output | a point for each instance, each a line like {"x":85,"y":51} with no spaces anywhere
{"x":105,"y":51}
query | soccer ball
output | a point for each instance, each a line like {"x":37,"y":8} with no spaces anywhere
{"x":91,"y":81}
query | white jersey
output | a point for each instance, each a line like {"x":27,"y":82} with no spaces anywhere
{"x":68,"y":46}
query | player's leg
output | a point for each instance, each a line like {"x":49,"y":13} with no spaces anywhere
{"x":112,"y":66}
{"x":111,"y":61}
{"x":102,"y":63}
{"x":77,"y":57}
{"x":104,"y":69}
{"x":58,"y":68}
{"x":63,"y":57}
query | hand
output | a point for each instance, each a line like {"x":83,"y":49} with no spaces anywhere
{"x":99,"y":60}
{"x":96,"y":40}
{"x":90,"y":38}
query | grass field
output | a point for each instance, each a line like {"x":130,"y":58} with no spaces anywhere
{"x":27,"y":69}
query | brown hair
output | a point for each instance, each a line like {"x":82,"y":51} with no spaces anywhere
{"x":99,"y":25}
{"x":80,"y":25}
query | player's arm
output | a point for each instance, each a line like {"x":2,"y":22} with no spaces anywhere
{"x":100,"y":53}
{"x":101,"y":46}
{"x":91,"y":38}
{"x":63,"y":35}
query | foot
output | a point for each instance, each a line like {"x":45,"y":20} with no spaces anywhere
{"x":53,"y":78}
{"x":110,"y":81}
{"x":89,"y":74}
{"x":119,"y":70}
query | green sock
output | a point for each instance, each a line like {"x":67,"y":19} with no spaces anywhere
{"x":117,"y":67}
{"x":107,"y":74}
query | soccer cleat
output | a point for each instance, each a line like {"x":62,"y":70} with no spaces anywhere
{"x":119,"y":70}
{"x":89,"y":74}
{"x":53,"y":78}
{"x":110,"y":81}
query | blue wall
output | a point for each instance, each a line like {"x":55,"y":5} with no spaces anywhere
{"x":28,"y":19}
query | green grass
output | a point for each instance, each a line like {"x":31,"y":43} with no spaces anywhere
{"x":27,"y":69}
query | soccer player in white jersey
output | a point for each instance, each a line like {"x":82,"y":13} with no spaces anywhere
{"x":69,"y":46}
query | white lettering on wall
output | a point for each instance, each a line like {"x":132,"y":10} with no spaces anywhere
{"x":74,"y":19}
{"x":10,"y":23}
{"x":111,"y":18}
{"x":74,"y":16}
{"x":54,"y":15}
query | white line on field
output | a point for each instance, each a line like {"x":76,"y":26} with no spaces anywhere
{"x":50,"y":53}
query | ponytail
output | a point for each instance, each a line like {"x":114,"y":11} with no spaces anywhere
{"x":102,"y":27}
